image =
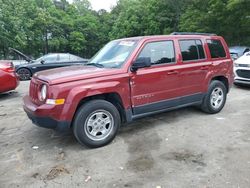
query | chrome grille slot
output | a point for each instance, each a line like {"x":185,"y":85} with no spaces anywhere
{"x":34,"y":88}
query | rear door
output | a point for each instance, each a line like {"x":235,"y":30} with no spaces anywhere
{"x":194,"y":69}
{"x":220,"y":57}
{"x":156,"y":87}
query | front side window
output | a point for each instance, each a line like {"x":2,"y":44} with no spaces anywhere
{"x":49,"y":58}
{"x":159,"y":52}
{"x":191,"y":50}
{"x":216,"y":48}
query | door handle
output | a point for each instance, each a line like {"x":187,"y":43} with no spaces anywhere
{"x":172,"y":72}
{"x":204,"y":68}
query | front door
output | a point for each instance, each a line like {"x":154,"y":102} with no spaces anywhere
{"x":157,"y":87}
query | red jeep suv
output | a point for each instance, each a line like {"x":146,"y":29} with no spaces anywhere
{"x":132,"y":78}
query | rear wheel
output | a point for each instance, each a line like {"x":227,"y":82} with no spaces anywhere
{"x":24,"y":74}
{"x":215,"y":99}
{"x":96,"y":123}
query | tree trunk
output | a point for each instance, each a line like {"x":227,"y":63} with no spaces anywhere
{"x":46,"y":43}
{"x":4,"y":52}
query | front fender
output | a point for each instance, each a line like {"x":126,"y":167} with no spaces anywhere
{"x":79,"y":93}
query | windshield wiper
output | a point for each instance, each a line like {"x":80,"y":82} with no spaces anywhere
{"x":95,"y":64}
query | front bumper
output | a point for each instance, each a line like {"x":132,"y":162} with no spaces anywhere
{"x":242,"y":82}
{"x":40,"y":116}
{"x":243,"y":79}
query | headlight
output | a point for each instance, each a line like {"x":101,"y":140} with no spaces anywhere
{"x":43,"y":93}
{"x":236,"y":64}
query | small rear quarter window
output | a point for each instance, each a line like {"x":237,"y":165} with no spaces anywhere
{"x":216,"y":49}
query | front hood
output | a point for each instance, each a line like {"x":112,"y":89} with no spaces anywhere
{"x":245,"y":59}
{"x":73,"y":73}
{"x":20,"y":54}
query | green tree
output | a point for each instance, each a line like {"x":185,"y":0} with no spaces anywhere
{"x":41,"y":26}
{"x":229,"y":18}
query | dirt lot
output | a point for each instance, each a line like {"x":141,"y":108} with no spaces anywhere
{"x":182,"y":148}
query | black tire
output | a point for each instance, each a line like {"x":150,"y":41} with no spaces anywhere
{"x":207,"y":105}
{"x":87,"y":112}
{"x":24,"y":74}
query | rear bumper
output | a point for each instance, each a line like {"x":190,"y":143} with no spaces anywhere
{"x":10,"y":82}
{"x":40,"y":116}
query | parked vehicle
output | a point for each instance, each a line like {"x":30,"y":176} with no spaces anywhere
{"x":132,"y":78}
{"x":238,"y":51}
{"x":49,"y":61}
{"x":242,"y":70}
{"x":8,"y":78}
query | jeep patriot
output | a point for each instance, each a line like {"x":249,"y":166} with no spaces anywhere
{"x":132,"y":78}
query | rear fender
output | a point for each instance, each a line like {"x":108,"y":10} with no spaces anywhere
{"x":210,"y":77}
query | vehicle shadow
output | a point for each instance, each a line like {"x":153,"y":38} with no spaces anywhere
{"x":49,"y":139}
{"x":67,"y":141}
{"x":9,"y":95}
{"x":244,"y":87}
{"x":150,"y":122}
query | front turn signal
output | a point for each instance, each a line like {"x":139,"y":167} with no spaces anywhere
{"x":55,"y":101}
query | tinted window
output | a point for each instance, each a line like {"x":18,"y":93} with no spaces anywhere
{"x":216,"y":48}
{"x":51,"y":58}
{"x":191,"y":50}
{"x":159,"y":52}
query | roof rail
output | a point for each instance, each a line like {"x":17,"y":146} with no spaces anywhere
{"x":192,"y":33}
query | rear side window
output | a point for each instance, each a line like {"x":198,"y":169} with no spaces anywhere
{"x":159,"y":52}
{"x":216,"y":48}
{"x":191,"y":50}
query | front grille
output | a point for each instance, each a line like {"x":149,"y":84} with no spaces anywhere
{"x":243,"y":73}
{"x":34,"y":88}
{"x":243,"y":65}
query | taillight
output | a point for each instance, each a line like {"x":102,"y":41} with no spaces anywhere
{"x":7,"y":66}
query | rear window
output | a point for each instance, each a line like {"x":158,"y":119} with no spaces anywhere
{"x":191,"y":50}
{"x":216,"y":48}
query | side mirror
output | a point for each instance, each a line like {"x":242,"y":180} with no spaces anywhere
{"x":42,"y":61}
{"x":141,"y":62}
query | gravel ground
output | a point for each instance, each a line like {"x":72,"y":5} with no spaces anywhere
{"x":182,"y":148}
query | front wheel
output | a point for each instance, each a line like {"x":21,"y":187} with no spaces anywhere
{"x":96,"y":123}
{"x":215,"y":98}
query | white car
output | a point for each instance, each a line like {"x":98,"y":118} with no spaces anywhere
{"x":242,"y":70}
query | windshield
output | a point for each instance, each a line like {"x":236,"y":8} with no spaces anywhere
{"x":114,"y":54}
